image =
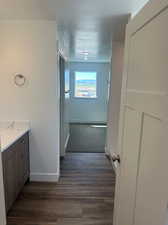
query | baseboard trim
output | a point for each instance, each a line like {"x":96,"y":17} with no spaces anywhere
{"x":66,"y":142}
{"x":109,"y":156}
{"x":113,"y":164}
{"x":44,"y":177}
{"x":63,"y":153}
{"x":107,"y":152}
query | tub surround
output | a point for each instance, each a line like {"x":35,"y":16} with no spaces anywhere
{"x":11,"y":131}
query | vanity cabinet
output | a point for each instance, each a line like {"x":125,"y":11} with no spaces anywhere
{"x":16,"y":169}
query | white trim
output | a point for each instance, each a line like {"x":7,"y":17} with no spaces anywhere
{"x":113,"y":165}
{"x":90,"y":61}
{"x":134,"y":91}
{"x":98,"y":126}
{"x":151,"y":10}
{"x":63,"y":152}
{"x":44,"y":177}
{"x":108,"y":154}
{"x":66,"y":142}
{"x":87,"y":122}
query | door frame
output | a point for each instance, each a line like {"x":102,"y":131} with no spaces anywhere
{"x":60,"y":55}
{"x":152,"y":9}
{"x":61,"y":58}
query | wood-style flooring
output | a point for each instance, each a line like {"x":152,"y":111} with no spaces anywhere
{"x":83,"y":196}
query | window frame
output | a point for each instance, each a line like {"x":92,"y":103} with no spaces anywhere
{"x":74,"y":84}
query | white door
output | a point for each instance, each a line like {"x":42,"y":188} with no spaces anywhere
{"x":142,"y":177}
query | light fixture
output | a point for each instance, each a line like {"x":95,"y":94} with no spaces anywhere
{"x":85,"y":53}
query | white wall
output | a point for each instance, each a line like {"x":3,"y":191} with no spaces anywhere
{"x":90,"y":110}
{"x":2,"y":201}
{"x":29,"y":47}
{"x":138,"y":5}
{"x":115,"y":97}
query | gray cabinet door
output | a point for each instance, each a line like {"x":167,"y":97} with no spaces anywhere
{"x":10,"y":175}
{"x":23,"y":159}
{"x":15,"y":169}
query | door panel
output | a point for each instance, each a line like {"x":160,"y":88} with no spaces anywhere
{"x":132,"y":128}
{"x":147,"y":90}
{"x":142,"y":195}
{"x":152,"y":187}
{"x":148,"y":57}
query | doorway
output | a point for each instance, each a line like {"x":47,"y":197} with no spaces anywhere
{"x":93,"y":115}
{"x":87,"y":179}
{"x":88,"y":106}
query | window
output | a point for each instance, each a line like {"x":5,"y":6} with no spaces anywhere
{"x":85,"y":85}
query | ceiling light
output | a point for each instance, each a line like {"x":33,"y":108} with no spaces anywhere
{"x":86,"y":53}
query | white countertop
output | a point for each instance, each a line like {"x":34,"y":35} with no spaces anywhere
{"x":11,"y":132}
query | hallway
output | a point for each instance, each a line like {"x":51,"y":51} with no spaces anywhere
{"x":83,"y":196}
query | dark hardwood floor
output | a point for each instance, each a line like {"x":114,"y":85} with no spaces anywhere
{"x":83,"y":196}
